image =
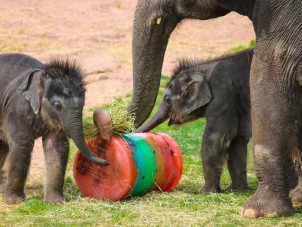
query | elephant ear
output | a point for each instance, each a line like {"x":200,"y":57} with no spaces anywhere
{"x":31,"y":88}
{"x":197,"y":93}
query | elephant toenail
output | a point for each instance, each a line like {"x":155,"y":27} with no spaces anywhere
{"x":271,"y":214}
{"x":250,"y":213}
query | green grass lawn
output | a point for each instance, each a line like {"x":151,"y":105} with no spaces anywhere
{"x":183,"y":206}
{"x":238,"y":48}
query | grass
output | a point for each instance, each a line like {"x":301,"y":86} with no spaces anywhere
{"x":16,"y":41}
{"x":21,"y":31}
{"x":119,"y":5}
{"x":251,"y":44}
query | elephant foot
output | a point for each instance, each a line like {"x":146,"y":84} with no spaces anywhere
{"x":3,"y":180}
{"x":238,"y":187}
{"x":266,"y":203}
{"x":54,"y":197}
{"x":207,"y":189}
{"x":13,"y":198}
{"x":2,"y":187}
{"x":296,"y":197}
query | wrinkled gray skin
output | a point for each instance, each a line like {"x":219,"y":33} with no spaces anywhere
{"x":275,"y":83}
{"x":219,"y":91}
{"x":39,"y":100}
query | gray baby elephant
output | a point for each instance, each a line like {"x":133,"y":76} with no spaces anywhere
{"x":219,"y":91}
{"x":40,"y":100}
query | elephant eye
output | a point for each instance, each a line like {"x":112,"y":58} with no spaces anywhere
{"x":167,"y":99}
{"x":57,"y":105}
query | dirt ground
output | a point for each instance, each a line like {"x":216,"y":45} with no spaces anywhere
{"x":98,"y":35}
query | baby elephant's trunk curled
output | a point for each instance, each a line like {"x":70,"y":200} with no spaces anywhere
{"x":74,"y":129}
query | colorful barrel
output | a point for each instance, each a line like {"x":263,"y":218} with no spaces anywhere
{"x":164,"y":163}
{"x":145,"y":163}
{"x":177,"y":160}
{"x":139,"y":162}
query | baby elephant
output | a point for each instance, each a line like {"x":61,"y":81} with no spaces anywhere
{"x":219,"y":91}
{"x":40,"y":100}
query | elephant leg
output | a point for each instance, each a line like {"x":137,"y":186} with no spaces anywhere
{"x":19,"y":160}
{"x":56,"y":150}
{"x":275,"y":127}
{"x":213,"y":158}
{"x":271,"y":198}
{"x":3,"y":154}
{"x":237,"y":163}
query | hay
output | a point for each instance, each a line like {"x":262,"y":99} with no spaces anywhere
{"x":122,"y":121}
{"x":90,"y":130}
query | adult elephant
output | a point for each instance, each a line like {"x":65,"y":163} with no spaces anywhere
{"x":276,"y":74}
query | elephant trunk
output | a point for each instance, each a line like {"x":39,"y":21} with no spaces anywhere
{"x":74,"y":128}
{"x":146,"y":80}
{"x":148,"y":50}
{"x":159,"y":117}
